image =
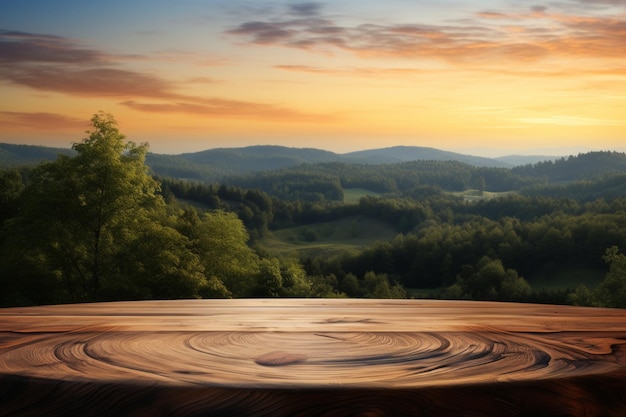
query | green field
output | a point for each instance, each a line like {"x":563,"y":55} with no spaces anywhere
{"x":317,"y":239}
{"x":353,"y":195}
{"x":477,"y":195}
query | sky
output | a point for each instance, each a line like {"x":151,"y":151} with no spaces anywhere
{"x":484,"y":77}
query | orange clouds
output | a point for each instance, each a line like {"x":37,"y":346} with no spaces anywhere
{"x":354,"y":72}
{"x":21,"y":47}
{"x":55,"y":64}
{"x":102,"y":82}
{"x":538,"y":34}
{"x":41,"y":121}
{"x":229,"y":109}
{"x":279,"y":70}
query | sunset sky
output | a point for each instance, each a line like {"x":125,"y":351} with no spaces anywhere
{"x":487,"y":77}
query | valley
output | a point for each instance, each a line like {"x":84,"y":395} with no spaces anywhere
{"x":317,"y":224}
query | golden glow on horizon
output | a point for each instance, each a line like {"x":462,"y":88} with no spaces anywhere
{"x":305,"y":76}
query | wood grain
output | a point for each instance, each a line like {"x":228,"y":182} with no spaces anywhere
{"x":299,"y":357}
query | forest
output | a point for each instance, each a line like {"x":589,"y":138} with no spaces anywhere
{"x":99,"y":224}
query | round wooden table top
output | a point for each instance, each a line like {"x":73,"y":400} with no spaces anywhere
{"x":312,"y":357}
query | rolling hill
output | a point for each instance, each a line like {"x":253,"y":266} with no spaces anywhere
{"x":518,"y":160}
{"x":213,"y":164}
{"x":19,"y":155}
{"x":397,"y":154}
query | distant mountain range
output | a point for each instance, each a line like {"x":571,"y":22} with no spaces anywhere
{"x":397,"y":154}
{"x":20,"y":155}
{"x":213,"y":164}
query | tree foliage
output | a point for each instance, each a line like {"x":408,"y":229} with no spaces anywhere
{"x":85,"y":208}
{"x":490,"y":281}
{"x":95,"y":225}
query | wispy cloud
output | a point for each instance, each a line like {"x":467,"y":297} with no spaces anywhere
{"x":21,"y":47}
{"x":493,"y":35}
{"x":493,"y":15}
{"x":355,"y":72}
{"x":201,"y":80}
{"x":605,"y":74}
{"x":230,"y":109}
{"x":573,"y":121}
{"x":305,"y":9}
{"x":55,"y":64}
{"x":100,"y":82}
{"x":594,"y":5}
{"x":41,"y":120}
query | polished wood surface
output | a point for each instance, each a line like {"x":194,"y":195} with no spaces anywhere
{"x":297,"y":357}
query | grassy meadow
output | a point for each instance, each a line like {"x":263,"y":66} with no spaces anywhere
{"x":353,"y":195}
{"x":350,"y":233}
{"x":473,"y":195}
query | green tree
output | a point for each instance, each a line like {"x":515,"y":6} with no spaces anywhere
{"x":220,"y":239}
{"x":91,"y":223}
{"x":378,"y":286}
{"x":269,"y":278}
{"x":582,"y":296}
{"x":612,"y":291}
{"x":157,"y":263}
{"x":350,"y":285}
{"x":295,"y":283}
{"x":326,"y":286}
{"x":490,"y":281}
{"x":11,"y":186}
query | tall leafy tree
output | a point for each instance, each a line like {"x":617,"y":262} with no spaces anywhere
{"x":87,"y":218}
{"x":11,"y":186}
{"x":220,"y":240}
{"x":489,"y":281}
{"x":612,"y":291}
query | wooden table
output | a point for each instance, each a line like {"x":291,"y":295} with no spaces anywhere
{"x":304,"y":357}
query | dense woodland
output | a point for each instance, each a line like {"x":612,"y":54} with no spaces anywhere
{"x":98,"y":224}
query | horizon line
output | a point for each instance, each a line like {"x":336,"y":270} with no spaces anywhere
{"x":473,"y":152}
